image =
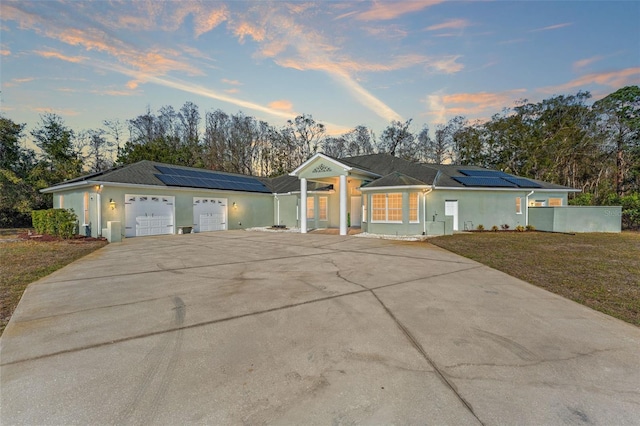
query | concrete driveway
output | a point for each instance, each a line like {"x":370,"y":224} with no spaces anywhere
{"x":251,"y":327}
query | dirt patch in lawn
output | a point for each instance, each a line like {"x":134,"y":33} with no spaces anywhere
{"x":601,"y":271}
{"x":26,"y":258}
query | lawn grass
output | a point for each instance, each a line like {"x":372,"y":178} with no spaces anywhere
{"x":601,"y":271}
{"x":23,"y":262}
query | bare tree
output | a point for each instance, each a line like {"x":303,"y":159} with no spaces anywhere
{"x":397,"y":140}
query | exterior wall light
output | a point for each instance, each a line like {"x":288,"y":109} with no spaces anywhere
{"x":235,"y":206}
{"x":112,"y":204}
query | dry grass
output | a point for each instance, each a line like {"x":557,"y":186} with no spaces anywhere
{"x":601,"y":271}
{"x":23,"y":262}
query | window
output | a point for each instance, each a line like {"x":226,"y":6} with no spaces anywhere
{"x":322,"y":208}
{"x":379,"y":207}
{"x":61,"y":201}
{"x":518,"y":205}
{"x":413,"y":207}
{"x":86,"y":209}
{"x":310,"y":208}
{"x":387,"y":207}
{"x":394,"y":207}
{"x":539,"y":203}
{"x":555,"y":202}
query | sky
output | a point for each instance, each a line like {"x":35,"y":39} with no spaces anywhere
{"x":346,"y":63}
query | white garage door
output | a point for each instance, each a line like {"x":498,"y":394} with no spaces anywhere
{"x":209,"y":214}
{"x":148,"y":215}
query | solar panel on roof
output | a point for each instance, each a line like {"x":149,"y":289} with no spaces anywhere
{"x":209,"y":179}
{"x":484,"y":181}
{"x":483,"y":173}
{"x":522,"y":183}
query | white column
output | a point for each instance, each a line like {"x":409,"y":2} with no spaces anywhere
{"x":303,"y":205}
{"x":343,"y":205}
{"x":99,"y":213}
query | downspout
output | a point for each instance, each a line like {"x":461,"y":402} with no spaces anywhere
{"x":99,"y":202}
{"x":277,"y":210}
{"x":526,"y":211}
{"x":424,"y":210}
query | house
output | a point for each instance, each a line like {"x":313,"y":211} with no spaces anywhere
{"x":380,"y":193}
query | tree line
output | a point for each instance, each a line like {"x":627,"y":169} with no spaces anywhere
{"x":564,"y":139}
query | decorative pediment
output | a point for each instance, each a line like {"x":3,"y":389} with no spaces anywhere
{"x":322,"y":168}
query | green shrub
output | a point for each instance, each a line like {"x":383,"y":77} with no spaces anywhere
{"x":57,"y":222}
{"x":520,"y":228}
{"x":495,"y":228}
{"x":505,"y":227}
{"x":480,"y":227}
{"x":630,"y":208}
{"x":584,"y":199}
{"x":530,"y":228}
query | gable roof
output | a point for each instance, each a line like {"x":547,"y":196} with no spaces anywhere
{"x":385,"y":164}
{"x":395,"y":179}
{"x":394,"y":172}
{"x":437,"y":175}
{"x":151,"y":173}
{"x":447,"y":174}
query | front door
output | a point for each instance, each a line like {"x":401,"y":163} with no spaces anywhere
{"x":356,"y":210}
{"x":451,"y":209}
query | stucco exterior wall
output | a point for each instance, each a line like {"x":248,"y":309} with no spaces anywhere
{"x":74,"y":200}
{"x":252,"y":210}
{"x":576,"y":218}
{"x":486,"y":207}
{"x":287,"y":205}
{"x":404,"y":228}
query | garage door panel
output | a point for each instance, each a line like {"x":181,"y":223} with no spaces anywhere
{"x":209,"y":214}
{"x":148,"y":215}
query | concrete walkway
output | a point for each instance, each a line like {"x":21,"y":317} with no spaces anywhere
{"x":279,"y":328}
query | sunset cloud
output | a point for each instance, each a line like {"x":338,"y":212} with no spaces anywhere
{"x":389,"y":32}
{"x":292,"y":45}
{"x":447,"y":65}
{"x":282,"y":105}
{"x":453,"y":24}
{"x":386,"y":10}
{"x":197,"y":90}
{"x":113,"y":92}
{"x":231,"y":82}
{"x":442,"y":106}
{"x":551,"y":27}
{"x":247,"y":29}
{"x":577,"y":65}
{"x":5,"y":52}
{"x":159,"y":60}
{"x":209,"y":21}
{"x":56,"y":55}
{"x":17,"y":81}
{"x":611,"y":79}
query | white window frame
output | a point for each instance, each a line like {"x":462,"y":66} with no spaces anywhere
{"x":386,"y":207}
{"x":518,"y":205}
{"x":61,"y":201}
